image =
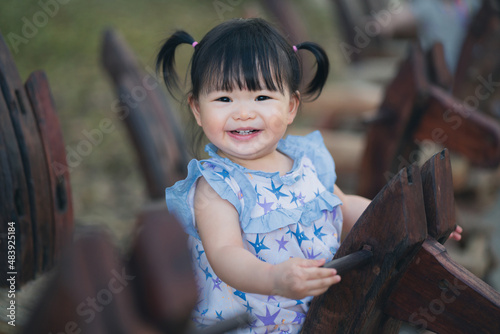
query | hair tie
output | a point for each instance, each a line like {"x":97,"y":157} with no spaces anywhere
{"x":295,"y":48}
{"x":194,"y":44}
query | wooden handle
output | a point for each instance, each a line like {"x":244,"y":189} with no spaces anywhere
{"x":352,"y":261}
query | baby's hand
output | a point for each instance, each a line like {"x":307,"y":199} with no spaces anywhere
{"x":298,"y":278}
{"x":457,"y":234}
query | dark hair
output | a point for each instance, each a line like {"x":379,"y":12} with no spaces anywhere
{"x":242,"y":53}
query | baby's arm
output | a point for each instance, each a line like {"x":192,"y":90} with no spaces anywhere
{"x":219,"y":229}
{"x":352,"y":207}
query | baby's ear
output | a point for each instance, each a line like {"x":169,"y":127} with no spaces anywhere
{"x":195,"y":108}
{"x":294,"y":105}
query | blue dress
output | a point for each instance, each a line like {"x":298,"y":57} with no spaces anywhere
{"x":281,"y":216}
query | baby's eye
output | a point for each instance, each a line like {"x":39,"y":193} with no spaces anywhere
{"x":223,"y":99}
{"x":262,"y":98}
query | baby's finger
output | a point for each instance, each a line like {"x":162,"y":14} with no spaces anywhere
{"x":312,"y":263}
{"x":321,"y":283}
{"x":318,"y":291}
{"x":315,"y":273}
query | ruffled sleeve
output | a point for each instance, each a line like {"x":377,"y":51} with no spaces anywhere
{"x":314,"y":148}
{"x":180,"y":197}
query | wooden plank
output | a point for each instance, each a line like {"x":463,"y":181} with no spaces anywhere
{"x":15,"y":206}
{"x":389,"y":138}
{"x":461,"y":129}
{"x":438,"y":294}
{"x":92,"y":292}
{"x":150,"y":119}
{"x":63,"y":306}
{"x":394,"y":227}
{"x":38,"y":90}
{"x":166,"y":287}
{"x":437,"y":187}
{"x":351,"y":15}
{"x":437,"y":69}
{"x":414,"y":110}
{"x":15,"y":229}
{"x":479,"y":62}
{"x":34,"y":164}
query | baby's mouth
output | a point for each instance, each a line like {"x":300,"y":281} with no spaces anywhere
{"x":244,"y":132}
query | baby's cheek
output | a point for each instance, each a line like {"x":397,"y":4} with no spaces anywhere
{"x":277,"y":123}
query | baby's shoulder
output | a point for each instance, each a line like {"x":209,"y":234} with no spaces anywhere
{"x":206,"y":199}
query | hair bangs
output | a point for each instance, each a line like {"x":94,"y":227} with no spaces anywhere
{"x":244,"y":61}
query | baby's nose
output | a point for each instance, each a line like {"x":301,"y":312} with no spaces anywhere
{"x":243,"y":113}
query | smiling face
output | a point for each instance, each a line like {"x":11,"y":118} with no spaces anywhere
{"x":246,"y":125}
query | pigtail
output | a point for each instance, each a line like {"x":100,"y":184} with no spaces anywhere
{"x":323,"y":66}
{"x":166,"y":59}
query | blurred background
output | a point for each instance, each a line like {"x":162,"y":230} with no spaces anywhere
{"x":107,"y":185}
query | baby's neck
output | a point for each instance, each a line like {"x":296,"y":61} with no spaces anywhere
{"x":276,"y":162}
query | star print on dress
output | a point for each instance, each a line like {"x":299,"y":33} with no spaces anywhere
{"x":276,"y":191}
{"x":199,"y":323}
{"x":258,"y":245}
{"x":282,"y":243}
{"x":317,"y":232}
{"x":240,"y":294}
{"x":299,"y":235}
{"x":208,"y":165}
{"x":199,"y":253}
{"x":224,"y":173}
{"x":316,"y":193}
{"x":257,"y":193}
{"x":207,"y":273}
{"x":271,"y":298}
{"x":301,"y":198}
{"x":269,"y":318}
{"x":294,"y":198}
{"x":249,"y":308}
{"x":219,"y":315}
{"x":311,"y":168}
{"x":311,"y":255}
{"x":198,"y":303}
{"x":299,"y":317}
{"x":266,"y":206}
{"x":217,"y":283}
